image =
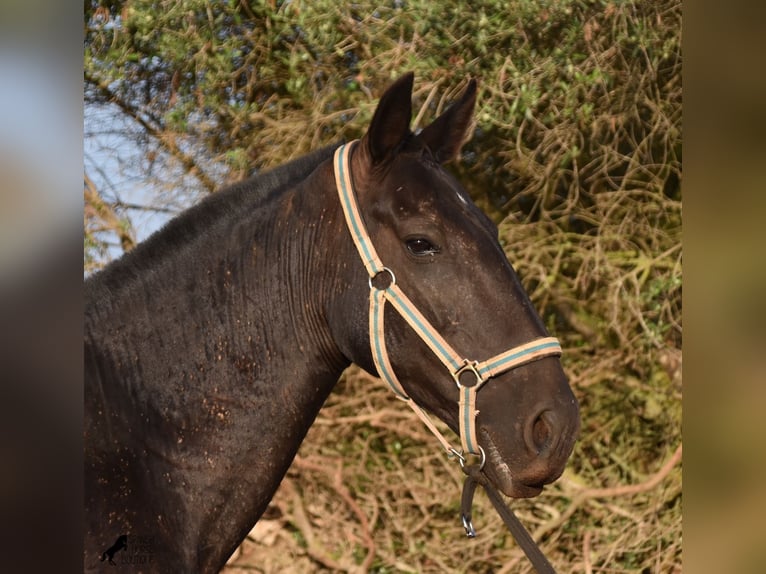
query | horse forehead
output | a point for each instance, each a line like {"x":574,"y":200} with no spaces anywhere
{"x":426,"y":183}
{"x":424,"y":186}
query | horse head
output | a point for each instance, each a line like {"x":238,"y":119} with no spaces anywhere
{"x":443,"y":252}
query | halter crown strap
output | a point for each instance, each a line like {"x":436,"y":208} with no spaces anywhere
{"x":354,"y":219}
{"x":468,"y":375}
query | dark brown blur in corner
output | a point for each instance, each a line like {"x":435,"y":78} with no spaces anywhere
{"x":725,"y":287}
{"x":40,"y":286}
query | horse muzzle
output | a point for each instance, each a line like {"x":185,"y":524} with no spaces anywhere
{"x":537,"y":453}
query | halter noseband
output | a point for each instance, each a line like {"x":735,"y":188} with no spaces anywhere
{"x":468,"y":375}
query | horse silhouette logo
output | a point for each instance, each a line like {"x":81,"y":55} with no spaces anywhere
{"x":120,"y":544}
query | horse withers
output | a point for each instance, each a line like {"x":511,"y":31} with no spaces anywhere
{"x":211,"y":347}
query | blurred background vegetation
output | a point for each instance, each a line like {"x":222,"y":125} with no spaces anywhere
{"x":576,"y":154}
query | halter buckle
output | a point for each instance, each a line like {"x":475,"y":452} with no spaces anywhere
{"x":463,"y":375}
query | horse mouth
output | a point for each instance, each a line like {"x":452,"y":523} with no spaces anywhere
{"x":500,"y":475}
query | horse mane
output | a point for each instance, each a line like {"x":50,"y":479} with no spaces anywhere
{"x":215,"y":212}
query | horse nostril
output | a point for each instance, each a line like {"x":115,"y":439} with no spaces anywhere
{"x":539,"y":431}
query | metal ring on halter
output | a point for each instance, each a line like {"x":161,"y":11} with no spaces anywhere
{"x":461,"y":457}
{"x":471,"y":367}
{"x":384,"y":270}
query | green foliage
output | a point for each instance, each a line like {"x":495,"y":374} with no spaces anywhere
{"x":576,"y":154}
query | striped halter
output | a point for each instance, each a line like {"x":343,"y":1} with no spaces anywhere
{"x":468,"y":375}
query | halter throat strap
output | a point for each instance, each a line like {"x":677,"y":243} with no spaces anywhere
{"x":469,"y":375}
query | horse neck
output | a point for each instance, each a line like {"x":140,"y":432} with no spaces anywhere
{"x":214,"y":366}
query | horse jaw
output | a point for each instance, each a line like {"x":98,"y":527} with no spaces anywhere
{"x":501,"y":476}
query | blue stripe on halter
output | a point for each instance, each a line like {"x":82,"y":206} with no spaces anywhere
{"x":424,"y":331}
{"x":507,"y":360}
{"x":468,"y":415}
{"x":381,"y":361}
{"x":348,"y":206}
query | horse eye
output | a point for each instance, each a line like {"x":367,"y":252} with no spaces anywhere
{"x":420,"y":247}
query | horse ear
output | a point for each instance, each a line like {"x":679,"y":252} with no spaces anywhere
{"x":391,"y":121}
{"x":446,"y":134}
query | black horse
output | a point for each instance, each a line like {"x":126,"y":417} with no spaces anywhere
{"x":211,"y":347}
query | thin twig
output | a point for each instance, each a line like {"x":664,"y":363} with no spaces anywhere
{"x":625,"y":490}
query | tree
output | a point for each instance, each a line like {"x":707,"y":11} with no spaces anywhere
{"x":219,"y":90}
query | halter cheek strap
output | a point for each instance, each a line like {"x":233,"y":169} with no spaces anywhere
{"x":468,"y":375}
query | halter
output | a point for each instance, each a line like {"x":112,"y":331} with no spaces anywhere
{"x":469,"y":375}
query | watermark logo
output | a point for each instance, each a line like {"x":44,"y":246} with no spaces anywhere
{"x":120,"y":544}
{"x":140,"y":552}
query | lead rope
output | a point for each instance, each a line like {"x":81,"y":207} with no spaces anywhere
{"x":475,"y":477}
